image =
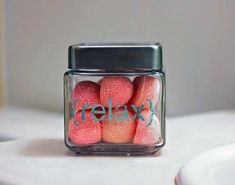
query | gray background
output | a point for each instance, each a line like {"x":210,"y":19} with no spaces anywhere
{"x":197,"y":38}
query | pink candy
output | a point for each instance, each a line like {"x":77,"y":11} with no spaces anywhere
{"x":145,"y":87}
{"x":119,"y":89}
{"x":85,"y":131}
{"x":86,"y":93}
{"x":118,"y":131}
{"x":147,"y":131}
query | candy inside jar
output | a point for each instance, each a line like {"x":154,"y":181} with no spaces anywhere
{"x":114,"y":111}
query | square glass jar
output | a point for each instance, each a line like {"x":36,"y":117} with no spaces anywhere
{"x":114,"y":99}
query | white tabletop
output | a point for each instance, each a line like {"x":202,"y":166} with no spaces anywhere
{"x":32,"y":151}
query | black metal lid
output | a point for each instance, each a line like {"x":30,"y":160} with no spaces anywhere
{"x":122,"y":56}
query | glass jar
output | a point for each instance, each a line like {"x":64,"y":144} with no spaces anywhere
{"x":114,"y":99}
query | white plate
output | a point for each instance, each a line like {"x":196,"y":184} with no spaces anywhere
{"x":214,"y":167}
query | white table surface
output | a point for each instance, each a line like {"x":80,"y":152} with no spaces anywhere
{"x":32,"y":151}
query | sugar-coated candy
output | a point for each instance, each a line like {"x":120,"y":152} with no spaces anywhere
{"x":118,"y":131}
{"x":86,"y":93}
{"x":87,"y":131}
{"x":147,"y":131}
{"x":118,"y":89}
{"x":145,"y":88}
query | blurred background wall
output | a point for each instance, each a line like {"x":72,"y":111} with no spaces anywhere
{"x":197,"y":38}
{"x":2,"y":55}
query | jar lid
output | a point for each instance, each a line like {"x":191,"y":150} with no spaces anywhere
{"x":121,"y":56}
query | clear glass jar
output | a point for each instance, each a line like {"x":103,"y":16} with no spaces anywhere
{"x":114,"y":99}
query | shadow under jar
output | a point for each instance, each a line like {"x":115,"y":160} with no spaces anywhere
{"x":114,"y":99}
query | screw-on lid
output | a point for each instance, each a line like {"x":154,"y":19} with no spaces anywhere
{"x":122,"y":56}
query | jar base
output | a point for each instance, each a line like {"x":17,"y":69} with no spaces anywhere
{"x":124,"y":150}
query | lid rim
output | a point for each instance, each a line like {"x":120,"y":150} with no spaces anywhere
{"x":129,"y":56}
